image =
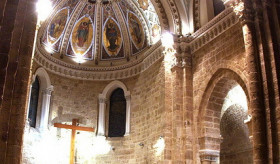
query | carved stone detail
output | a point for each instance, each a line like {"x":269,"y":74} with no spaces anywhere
{"x":196,"y":14}
{"x":209,"y":155}
{"x":150,"y":56}
{"x":122,"y":23}
{"x":176,"y":16}
{"x":161,"y":13}
{"x":48,"y":91}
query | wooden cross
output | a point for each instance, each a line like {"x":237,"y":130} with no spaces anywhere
{"x":73,"y":127}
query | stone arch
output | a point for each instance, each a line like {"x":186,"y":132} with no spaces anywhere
{"x":222,"y":81}
{"x":43,"y":76}
{"x":44,"y":97}
{"x":103,"y":104}
{"x":236,"y":146}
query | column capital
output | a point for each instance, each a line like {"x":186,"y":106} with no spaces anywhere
{"x":242,"y":8}
{"x":48,"y":90}
{"x":128,"y":97}
{"x":102,"y":100}
{"x":209,"y":155}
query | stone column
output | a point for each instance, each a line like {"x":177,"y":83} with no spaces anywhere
{"x":127,"y":122}
{"x":244,"y":9}
{"x":101,"y":116}
{"x":45,"y":108}
{"x":17,"y":26}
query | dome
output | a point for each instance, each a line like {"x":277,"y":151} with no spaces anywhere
{"x":83,"y":38}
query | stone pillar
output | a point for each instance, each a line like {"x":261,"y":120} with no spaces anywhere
{"x":45,"y":108}
{"x":101,"y":116}
{"x":209,"y":156}
{"x":17,"y":27}
{"x":127,"y":122}
{"x":244,"y":9}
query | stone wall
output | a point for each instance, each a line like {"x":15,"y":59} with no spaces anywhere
{"x":79,"y":99}
{"x":217,"y":67}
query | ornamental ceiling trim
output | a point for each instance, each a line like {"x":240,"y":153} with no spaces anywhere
{"x":176,"y":16}
{"x":161,"y":13}
{"x":150,"y":57}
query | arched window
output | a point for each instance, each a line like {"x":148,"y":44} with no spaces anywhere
{"x":218,"y":7}
{"x":33,"y":103}
{"x":117,"y":114}
{"x":114,"y":111}
{"x":39,"y":99}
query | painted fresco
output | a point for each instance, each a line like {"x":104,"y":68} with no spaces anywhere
{"x":82,"y":35}
{"x":136,"y":30}
{"x":144,"y":4}
{"x":112,"y":39}
{"x":156,"y":32}
{"x":57,"y":25}
{"x":152,"y":17}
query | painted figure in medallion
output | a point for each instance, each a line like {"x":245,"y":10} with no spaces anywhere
{"x":82,"y":33}
{"x":112,"y":37}
{"x":136,"y":30}
{"x":57,"y":26}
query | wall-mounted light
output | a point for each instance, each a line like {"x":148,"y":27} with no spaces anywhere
{"x":43,"y":8}
{"x":79,"y":59}
{"x":167,"y":39}
{"x":167,"y":42}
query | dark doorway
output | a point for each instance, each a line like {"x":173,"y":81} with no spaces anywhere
{"x":33,"y":104}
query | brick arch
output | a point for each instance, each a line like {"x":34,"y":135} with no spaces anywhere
{"x":222,"y":81}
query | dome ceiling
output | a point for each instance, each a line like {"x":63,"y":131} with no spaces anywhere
{"x":98,"y":34}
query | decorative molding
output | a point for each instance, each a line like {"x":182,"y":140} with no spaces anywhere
{"x":122,"y":22}
{"x":132,"y":68}
{"x":196,"y":13}
{"x":209,"y":155}
{"x":161,"y":13}
{"x":176,"y":16}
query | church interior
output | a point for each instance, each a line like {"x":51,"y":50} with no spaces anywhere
{"x":139,"y":81}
